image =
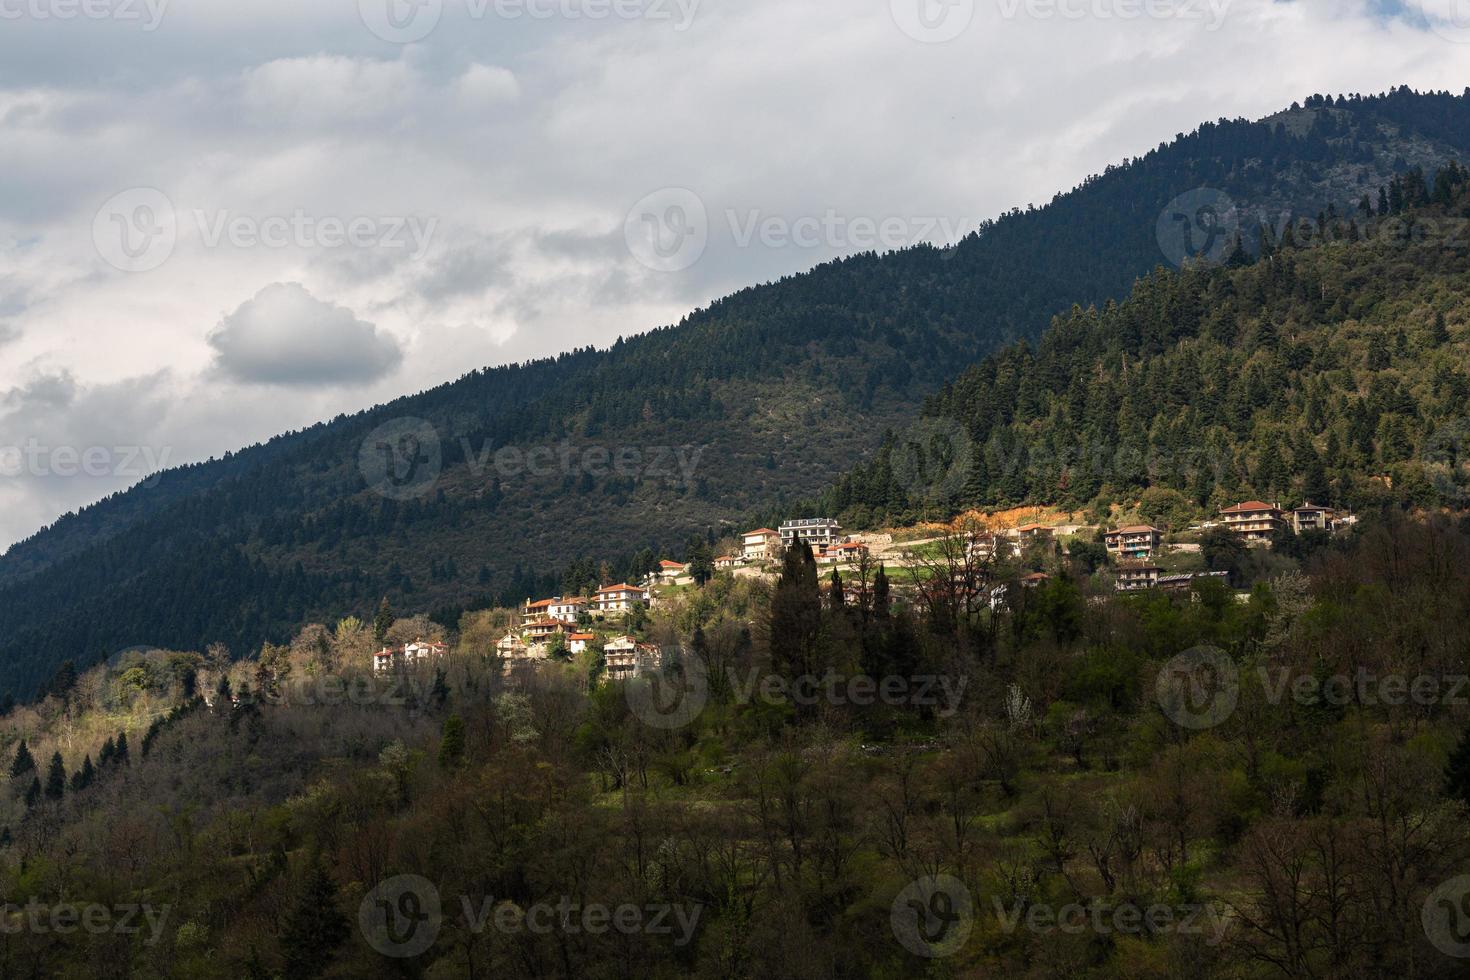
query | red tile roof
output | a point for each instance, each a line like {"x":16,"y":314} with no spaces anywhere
{"x":671,"y":564}
{"x":1248,"y":507}
{"x":619,"y":588}
{"x":762,"y":530}
{"x":1138,"y":529}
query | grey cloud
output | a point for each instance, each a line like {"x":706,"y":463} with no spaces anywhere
{"x":285,"y":336}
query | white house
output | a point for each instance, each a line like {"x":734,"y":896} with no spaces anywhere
{"x":626,"y":658}
{"x":819,"y":532}
{"x":577,"y":642}
{"x":619,"y":598}
{"x":760,"y":544}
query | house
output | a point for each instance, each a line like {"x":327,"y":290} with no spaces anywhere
{"x":760,"y":544}
{"x":846,"y":551}
{"x":1034,"y":579}
{"x":1253,"y":521}
{"x":577,"y":642}
{"x":412,"y":654}
{"x":992,"y":547}
{"x":1029,"y":534}
{"x":1310,"y":517}
{"x":669,"y":571}
{"x":1185,"y":582}
{"x":512,"y":647}
{"x":1138,"y":541}
{"x":819,"y":532}
{"x":725,"y":563}
{"x":1135,"y":578}
{"x":537,"y":609}
{"x":544,"y":632}
{"x":567,"y":609}
{"x":625,"y":658}
{"x":619,"y":598}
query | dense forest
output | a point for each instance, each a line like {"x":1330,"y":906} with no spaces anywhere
{"x":1336,"y":369}
{"x":777,"y":388}
{"x":1024,"y":790}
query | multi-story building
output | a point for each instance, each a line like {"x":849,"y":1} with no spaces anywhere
{"x":760,"y":544}
{"x":1310,"y":517}
{"x":619,"y":598}
{"x":669,"y":571}
{"x":1139,"y":541}
{"x":1134,"y":578}
{"x":1254,"y":521}
{"x":843,"y":552}
{"x":625,"y":658}
{"x":819,"y":532}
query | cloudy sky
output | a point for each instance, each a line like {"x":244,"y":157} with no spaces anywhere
{"x":221,"y":220}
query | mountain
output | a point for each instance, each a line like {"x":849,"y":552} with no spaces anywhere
{"x":771,"y":393}
{"x":1333,"y":370}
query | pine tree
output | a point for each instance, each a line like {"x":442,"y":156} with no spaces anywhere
{"x":84,"y":776}
{"x":108,"y":751}
{"x":56,"y":778}
{"x":120,"y":756}
{"x":451,"y":744}
{"x":22,"y":763}
{"x":1439,"y":333}
{"x":314,"y":926}
{"x":1457,"y":771}
{"x":382,"y":622}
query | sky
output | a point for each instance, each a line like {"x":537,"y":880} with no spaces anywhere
{"x":220,"y":221}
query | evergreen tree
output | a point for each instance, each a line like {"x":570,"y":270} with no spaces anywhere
{"x":1439,"y":333}
{"x":1457,"y":770}
{"x":882,"y":604}
{"x":451,"y":743}
{"x":83,"y":776}
{"x":120,"y":755}
{"x":382,"y":622}
{"x":108,"y":751}
{"x":33,"y":791}
{"x":796,"y":614}
{"x":56,"y":778}
{"x":22,"y":763}
{"x":315,"y":927}
{"x":836,"y":601}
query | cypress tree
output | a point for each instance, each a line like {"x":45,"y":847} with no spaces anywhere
{"x":314,"y":926}
{"x":56,"y":778}
{"x":382,"y":621}
{"x":22,"y":763}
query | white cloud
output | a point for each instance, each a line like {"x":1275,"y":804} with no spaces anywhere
{"x":285,"y":336}
{"x":527,"y":140}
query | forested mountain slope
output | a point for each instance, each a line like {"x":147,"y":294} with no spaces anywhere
{"x":781,"y":387}
{"x":1336,"y":371}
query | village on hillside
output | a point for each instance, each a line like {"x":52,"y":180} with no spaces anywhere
{"x":1137,"y":557}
